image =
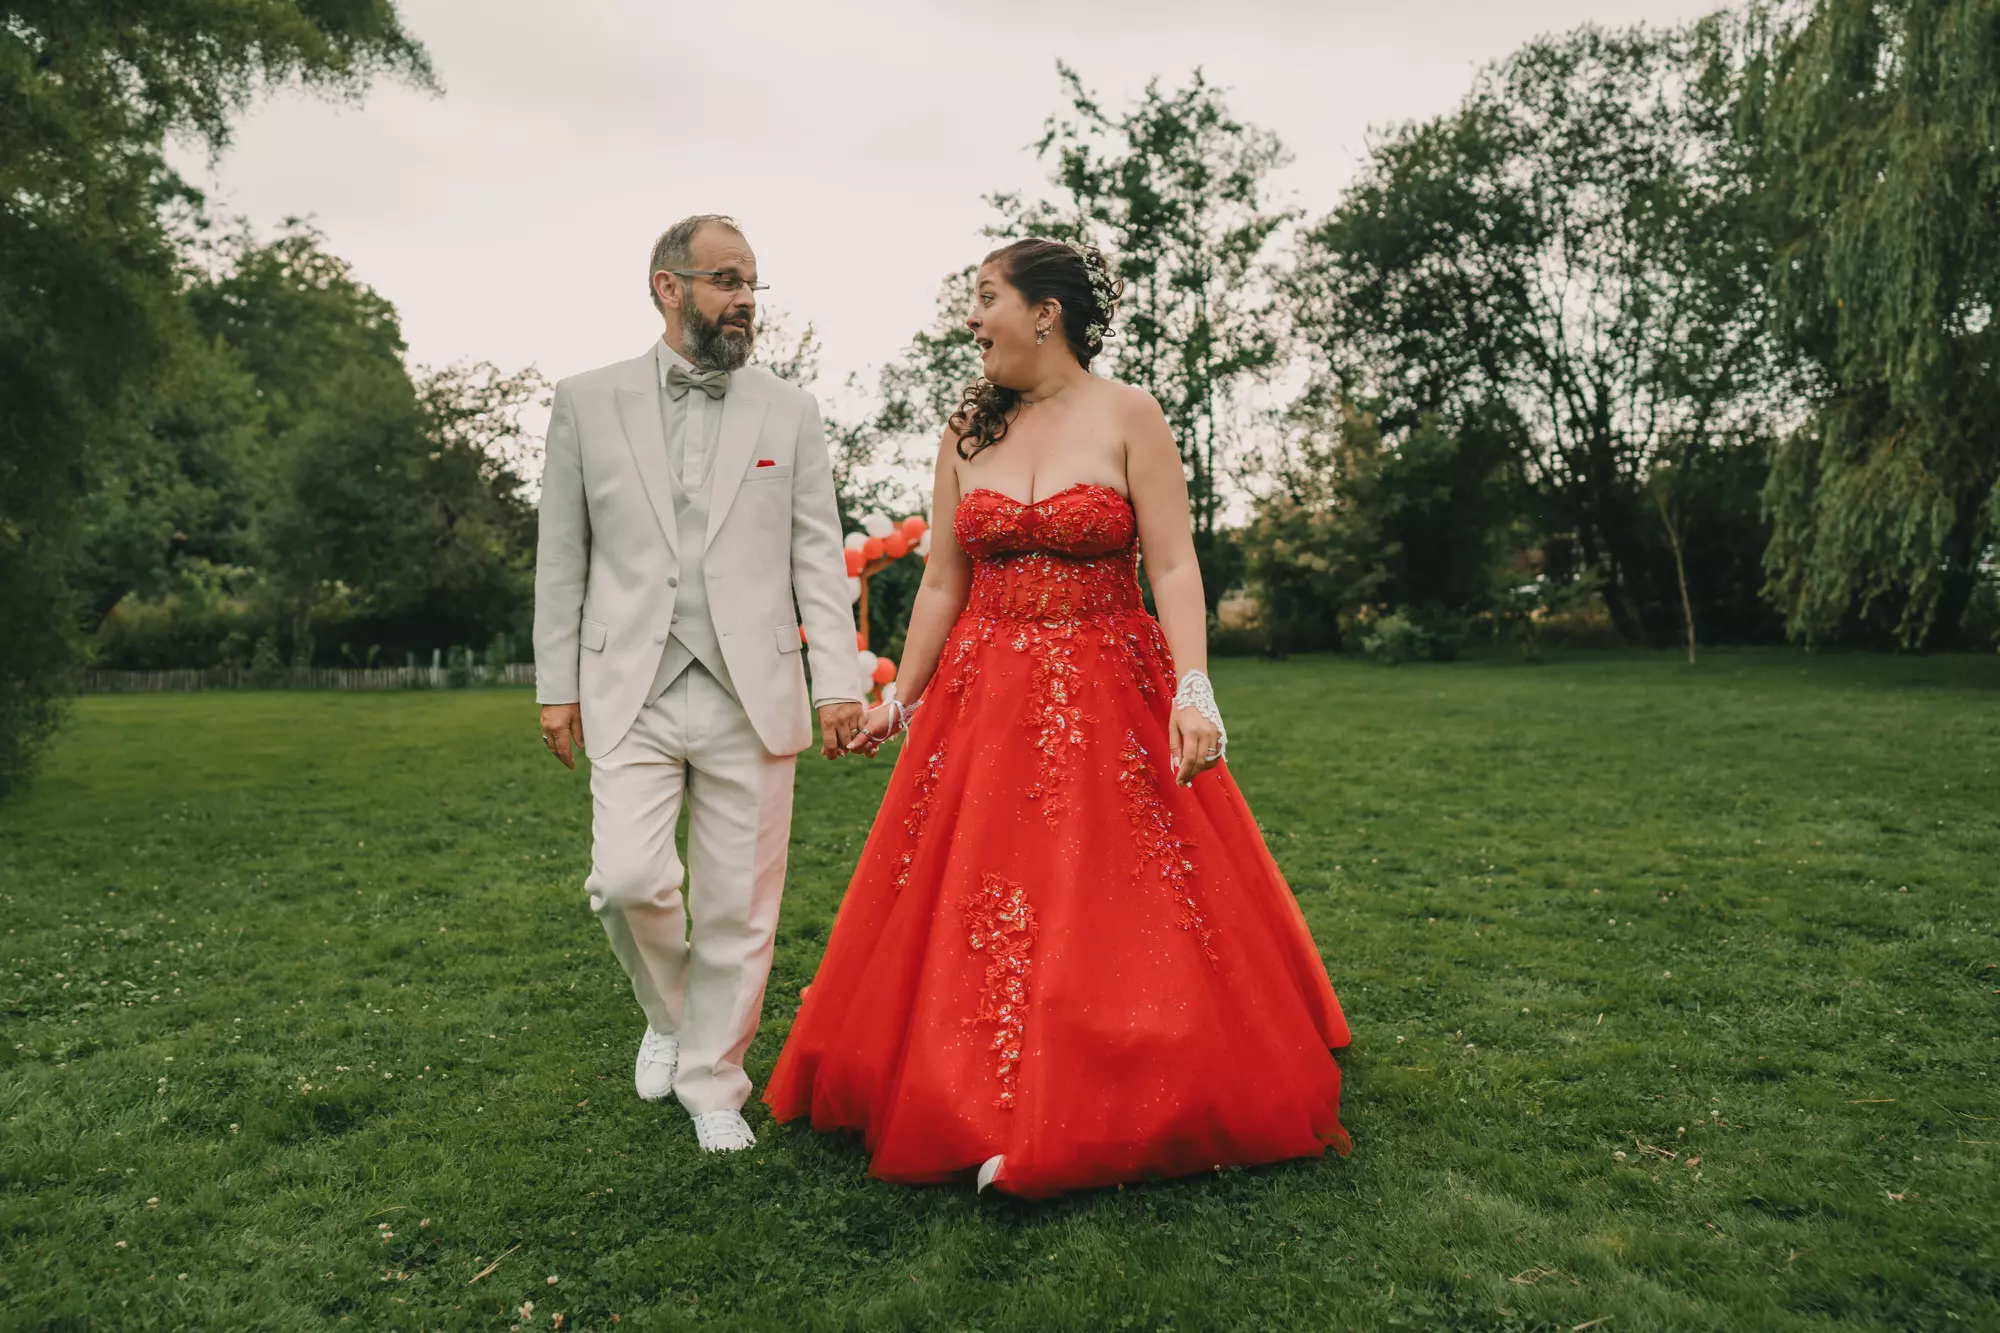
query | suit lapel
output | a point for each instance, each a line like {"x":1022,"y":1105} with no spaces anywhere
{"x":638,"y":403}
{"x":743,"y":409}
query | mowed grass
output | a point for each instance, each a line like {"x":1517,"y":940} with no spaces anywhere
{"x":1675,"y":995}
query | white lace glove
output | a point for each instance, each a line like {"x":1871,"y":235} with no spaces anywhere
{"x":1197,"y":692}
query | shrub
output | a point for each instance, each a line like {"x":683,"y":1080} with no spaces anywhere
{"x":1396,"y":638}
{"x":1413,"y":520}
{"x":1238,"y":640}
{"x":1540,"y":612}
{"x":202,"y":622}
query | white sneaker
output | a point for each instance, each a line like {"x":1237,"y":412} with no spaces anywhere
{"x":723,"y":1131}
{"x":659,"y":1061}
{"x":988,"y":1170}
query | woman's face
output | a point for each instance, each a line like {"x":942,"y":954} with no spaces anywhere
{"x":1004,"y":324}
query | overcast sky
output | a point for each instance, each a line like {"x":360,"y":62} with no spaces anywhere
{"x":510,"y":218}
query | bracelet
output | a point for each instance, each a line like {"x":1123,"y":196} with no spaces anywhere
{"x":902,"y":713}
{"x":1197,"y":692}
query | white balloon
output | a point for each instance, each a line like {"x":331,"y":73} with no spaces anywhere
{"x":853,"y":587}
{"x":877,"y":524}
{"x":924,"y":543}
{"x":856,"y":540}
{"x":867,"y":661}
{"x":889,"y":693}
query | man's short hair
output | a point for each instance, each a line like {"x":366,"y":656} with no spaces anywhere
{"x":675,"y":248}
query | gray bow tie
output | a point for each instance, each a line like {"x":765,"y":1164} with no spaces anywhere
{"x":680,"y":379}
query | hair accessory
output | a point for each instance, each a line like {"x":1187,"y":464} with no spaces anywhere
{"x":1104,"y":289}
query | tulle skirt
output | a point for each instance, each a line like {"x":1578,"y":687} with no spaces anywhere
{"x":1051,"y":953}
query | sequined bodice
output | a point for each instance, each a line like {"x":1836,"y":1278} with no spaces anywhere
{"x":1071,"y":554}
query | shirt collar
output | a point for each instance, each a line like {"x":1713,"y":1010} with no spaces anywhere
{"x":669,"y":357}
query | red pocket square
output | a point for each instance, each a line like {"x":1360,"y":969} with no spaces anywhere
{"x":767,"y":462}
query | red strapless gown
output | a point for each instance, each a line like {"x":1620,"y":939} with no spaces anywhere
{"x":1049,"y":951}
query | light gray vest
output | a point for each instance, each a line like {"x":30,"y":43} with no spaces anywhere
{"x":692,"y":637}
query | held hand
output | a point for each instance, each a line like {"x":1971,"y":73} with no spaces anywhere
{"x":562,"y":731}
{"x":877,"y":726}
{"x":838,"y":725}
{"x":1193,"y":743}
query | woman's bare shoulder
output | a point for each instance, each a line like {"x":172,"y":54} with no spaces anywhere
{"x":1131,"y":403}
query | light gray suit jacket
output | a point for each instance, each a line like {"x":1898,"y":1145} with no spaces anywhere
{"x":608,"y":565}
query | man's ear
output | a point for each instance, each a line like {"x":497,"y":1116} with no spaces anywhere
{"x":667,"y":289}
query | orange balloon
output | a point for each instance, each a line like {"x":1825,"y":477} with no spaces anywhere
{"x":913,"y":527}
{"x":802,"y":634}
{"x":885,"y":671}
{"x":872,"y":549}
{"x":895,"y":546}
{"x":855,"y":561}
{"x":860,"y":641}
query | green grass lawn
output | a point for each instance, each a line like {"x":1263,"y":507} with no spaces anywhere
{"x":1675,"y":995}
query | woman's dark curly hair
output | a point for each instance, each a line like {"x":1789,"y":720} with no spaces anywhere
{"x":1077,"y":276}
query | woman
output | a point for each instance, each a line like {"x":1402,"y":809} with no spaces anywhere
{"x":1066,"y":958}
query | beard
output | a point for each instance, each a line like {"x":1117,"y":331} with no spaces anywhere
{"x":717,"y":344}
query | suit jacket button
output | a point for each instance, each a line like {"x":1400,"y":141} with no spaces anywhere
{"x":659,"y":638}
{"x":673,"y":582}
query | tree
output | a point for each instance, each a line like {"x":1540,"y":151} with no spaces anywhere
{"x":1876,"y":124}
{"x":292,"y":468}
{"x":341,"y":459}
{"x":1563,"y":260}
{"x":397,"y":498}
{"x":180,"y":482}
{"x":88,"y":258}
{"x":471,"y":562}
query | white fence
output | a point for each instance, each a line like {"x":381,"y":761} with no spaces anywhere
{"x":308,"y":678}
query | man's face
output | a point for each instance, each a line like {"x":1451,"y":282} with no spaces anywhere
{"x":718,"y":325}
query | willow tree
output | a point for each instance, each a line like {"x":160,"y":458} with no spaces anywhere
{"x":89,"y":261}
{"x":1878,"y":124}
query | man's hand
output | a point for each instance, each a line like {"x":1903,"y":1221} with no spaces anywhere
{"x":838,"y":724}
{"x":562,"y":731}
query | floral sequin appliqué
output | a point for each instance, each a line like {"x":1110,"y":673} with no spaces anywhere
{"x":1161,"y":850}
{"x":1000,"y":923}
{"x":1056,"y":721}
{"x":920,"y":813}
{"x":1044,"y":574}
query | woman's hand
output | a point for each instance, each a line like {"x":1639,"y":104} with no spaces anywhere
{"x":1194,"y":743}
{"x":878,"y":724}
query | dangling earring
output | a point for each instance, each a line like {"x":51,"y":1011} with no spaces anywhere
{"x":1041,"y":335}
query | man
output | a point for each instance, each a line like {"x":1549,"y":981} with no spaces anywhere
{"x":687,"y":505}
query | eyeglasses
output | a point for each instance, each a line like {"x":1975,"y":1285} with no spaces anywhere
{"x":722,"y":279}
